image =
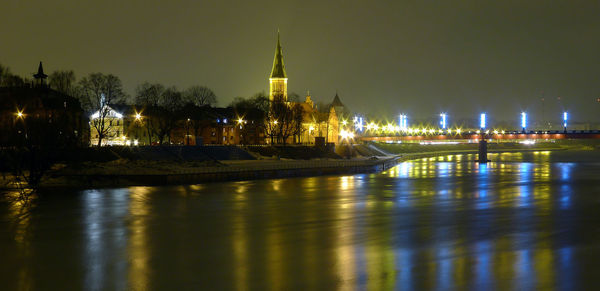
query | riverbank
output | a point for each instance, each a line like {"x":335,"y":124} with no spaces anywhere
{"x":226,"y":171}
{"x":241,"y":171}
{"x":123,"y":173}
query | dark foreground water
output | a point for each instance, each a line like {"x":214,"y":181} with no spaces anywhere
{"x":525,"y":221}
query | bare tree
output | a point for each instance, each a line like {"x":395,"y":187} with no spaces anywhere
{"x":99,"y":91}
{"x":297,"y":118}
{"x":4,"y":74}
{"x":200,"y":96}
{"x":63,"y":81}
{"x":11,"y":80}
{"x":270,"y":126}
{"x":254,"y":111}
{"x":171,"y":101}
{"x":282,"y":116}
{"x":8,"y":79}
{"x":149,"y":95}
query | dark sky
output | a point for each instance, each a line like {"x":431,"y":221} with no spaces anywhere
{"x":419,"y":57}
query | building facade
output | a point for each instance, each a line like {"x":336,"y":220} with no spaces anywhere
{"x":110,"y":124}
{"x":315,"y":122}
{"x":36,"y":115}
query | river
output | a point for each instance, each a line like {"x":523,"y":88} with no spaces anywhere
{"x":523,"y":221}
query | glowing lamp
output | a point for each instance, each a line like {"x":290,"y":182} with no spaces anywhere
{"x":443,"y":120}
{"x":482,"y":121}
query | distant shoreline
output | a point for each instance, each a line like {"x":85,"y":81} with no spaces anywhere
{"x":250,"y":170}
{"x":255,"y":170}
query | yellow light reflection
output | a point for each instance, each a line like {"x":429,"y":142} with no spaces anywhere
{"x":137,"y":244}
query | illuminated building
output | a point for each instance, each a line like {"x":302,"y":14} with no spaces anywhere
{"x":315,"y":123}
{"x":110,"y":122}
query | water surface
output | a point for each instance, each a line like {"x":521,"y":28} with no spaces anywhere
{"x":524,"y":221}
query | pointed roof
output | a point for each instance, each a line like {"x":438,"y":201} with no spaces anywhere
{"x":278,"y":70}
{"x":40,"y":74}
{"x":336,"y":101}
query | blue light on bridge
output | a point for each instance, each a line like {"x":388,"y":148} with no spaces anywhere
{"x":565,"y":118}
{"x":523,"y":120}
{"x":402,"y":122}
{"x":443,"y":120}
{"x":482,"y":121}
{"x":360,"y":124}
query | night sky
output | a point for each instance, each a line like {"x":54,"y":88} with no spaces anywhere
{"x":420,"y":57}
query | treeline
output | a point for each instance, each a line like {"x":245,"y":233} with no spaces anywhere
{"x":89,"y":89}
{"x":97,"y":92}
{"x":166,"y":106}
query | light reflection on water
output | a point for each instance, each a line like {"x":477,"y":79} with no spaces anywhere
{"x":519,"y":222}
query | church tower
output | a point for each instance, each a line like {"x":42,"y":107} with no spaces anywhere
{"x":278,"y":79}
{"x":40,"y":77}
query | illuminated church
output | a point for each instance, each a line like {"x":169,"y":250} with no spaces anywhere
{"x":325,"y":124}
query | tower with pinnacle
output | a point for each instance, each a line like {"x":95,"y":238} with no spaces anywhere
{"x":40,"y":77}
{"x":278,"y":79}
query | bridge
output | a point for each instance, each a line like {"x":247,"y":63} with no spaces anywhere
{"x":474,"y":136}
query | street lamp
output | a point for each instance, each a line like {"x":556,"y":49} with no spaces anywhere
{"x":19,"y":113}
{"x":482,"y":121}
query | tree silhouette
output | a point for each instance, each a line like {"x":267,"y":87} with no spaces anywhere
{"x":99,"y":92}
{"x":63,"y":81}
{"x":200,"y":96}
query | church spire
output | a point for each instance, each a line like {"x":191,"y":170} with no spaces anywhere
{"x":278,"y":70}
{"x":40,"y":76}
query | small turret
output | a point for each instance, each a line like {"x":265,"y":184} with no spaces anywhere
{"x":309,"y":101}
{"x":40,"y":77}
